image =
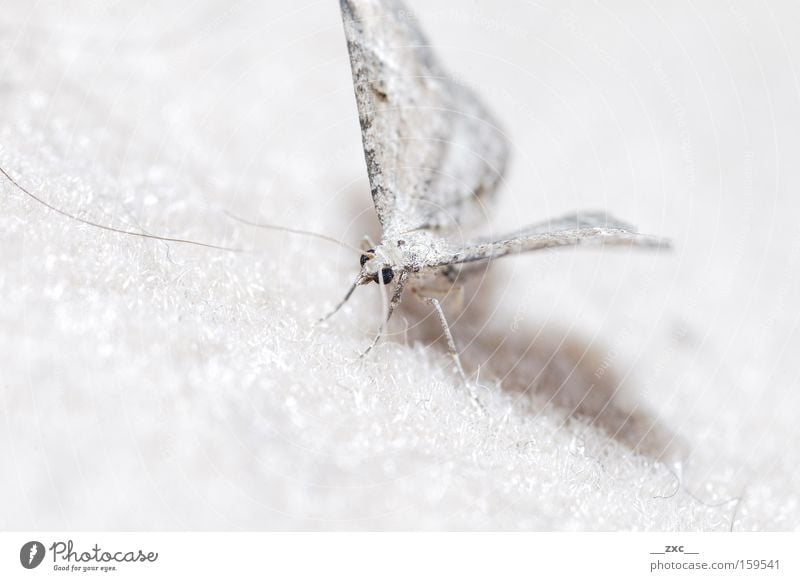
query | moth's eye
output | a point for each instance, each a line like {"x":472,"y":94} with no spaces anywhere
{"x":367,"y":255}
{"x":387,"y":274}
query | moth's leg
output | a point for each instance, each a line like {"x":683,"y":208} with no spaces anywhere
{"x":451,"y":344}
{"x":441,"y":287}
{"x":341,"y":303}
{"x":451,"y":347}
{"x":396,"y":298}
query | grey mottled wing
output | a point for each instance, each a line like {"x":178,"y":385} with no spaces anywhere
{"x":584,"y":229}
{"x":575,"y":220}
{"x":433,"y":152}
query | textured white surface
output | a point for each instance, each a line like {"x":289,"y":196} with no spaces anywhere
{"x":154,"y":386}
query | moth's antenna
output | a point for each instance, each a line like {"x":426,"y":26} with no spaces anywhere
{"x":293,"y":231}
{"x":110,"y":228}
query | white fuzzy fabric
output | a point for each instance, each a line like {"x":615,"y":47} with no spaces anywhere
{"x":157,"y":386}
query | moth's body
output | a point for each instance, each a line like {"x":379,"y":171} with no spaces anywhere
{"x":414,"y":253}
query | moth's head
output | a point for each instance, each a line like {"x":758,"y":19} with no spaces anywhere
{"x":376,"y":267}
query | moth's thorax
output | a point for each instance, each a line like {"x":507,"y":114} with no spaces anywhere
{"x":412,"y":251}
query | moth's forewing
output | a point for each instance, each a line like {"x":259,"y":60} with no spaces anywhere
{"x":434,"y":153}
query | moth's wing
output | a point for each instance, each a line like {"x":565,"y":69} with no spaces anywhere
{"x":434,"y":153}
{"x":576,"y":220}
{"x":589,"y":229}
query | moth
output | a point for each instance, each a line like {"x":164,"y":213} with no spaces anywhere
{"x":435,"y":156}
